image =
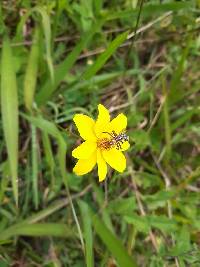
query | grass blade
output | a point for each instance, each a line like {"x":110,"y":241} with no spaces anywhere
{"x":148,"y":10}
{"x":46,"y":24}
{"x":39,"y":229}
{"x":9,"y":109}
{"x":49,"y":156}
{"x":101,"y":60}
{"x":62,"y":147}
{"x":50,"y":128}
{"x":167,"y":123}
{"x":34,"y":167}
{"x":113,"y":244}
{"x":31,"y":72}
{"x":100,"y":200}
{"x":87,"y":226}
{"x":64,"y":67}
{"x":176,"y":91}
{"x":45,"y":125}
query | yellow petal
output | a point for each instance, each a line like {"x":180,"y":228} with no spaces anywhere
{"x":118,"y":124}
{"x":102,"y":166}
{"x":115,"y":159}
{"x":84,"y":166}
{"x":102,"y":120}
{"x":124,"y":146}
{"x":85,"y":150}
{"x":85,"y":126}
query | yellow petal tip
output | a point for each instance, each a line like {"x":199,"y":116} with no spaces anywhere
{"x":101,"y":179}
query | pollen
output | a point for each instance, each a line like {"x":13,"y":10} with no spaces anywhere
{"x":104,"y":143}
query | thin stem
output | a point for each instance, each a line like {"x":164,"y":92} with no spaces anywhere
{"x":127,"y":57}
{"x":140,"y":205}
{"x":169,"y":206}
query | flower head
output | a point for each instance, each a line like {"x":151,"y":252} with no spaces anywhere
{"x":104,"y":141}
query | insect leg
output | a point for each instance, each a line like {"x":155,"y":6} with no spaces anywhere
{"x":114,"y":133}
{"x":119,"y":146}
{"x":109,"y":134}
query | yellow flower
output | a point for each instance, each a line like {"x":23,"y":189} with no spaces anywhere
{"x":103,"y":144}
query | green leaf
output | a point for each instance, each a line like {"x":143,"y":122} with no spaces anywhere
{"x":9,"y":109}
{"x":100,"y":79}
{"x":148,"y":10}
{"x":101,"y":60}
{"x":50,"y":128}
{"x":182,"y":243}
{"x":31,"y":72}
{"x":145,"y":223}
{"x":3,"y":263}
{"x":167,"y":121}
{"x":185,"y":117}
{"x":87,"y":227}
{"x":45,"y":125}
{"x":34,"y":166}
{"x":176,"y":90}
{"x":100,"y":199}
{"x":64,"y":67}
{"x":140,"y":138}
{"x":113,"y":244}
{"x":122,"y":206}
{"x":148,"y":180}
{"x":140,"y":222}
{"x":159,"y":199}
{"x":40,"y":229}
{"x":46,"y":24}
{"x":49,"y":155}
{"x":162,"y":223}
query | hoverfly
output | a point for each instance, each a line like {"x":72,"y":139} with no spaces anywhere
{"x":117,"y":139}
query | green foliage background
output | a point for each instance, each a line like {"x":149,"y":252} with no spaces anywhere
{"x":62,"y":57}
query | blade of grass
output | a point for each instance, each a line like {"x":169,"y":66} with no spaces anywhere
{"x":101,"y":60}
{"x":4,"y":180}
{"x":51,"y":129}
{"x":184,"y":118}
{"x":40,"y":229}
{"x":59,"y":7}
{"x":113,"y":244}
{"x":100,"y":200}
{"x":102,"y":79}
{"x":176,"y":91}
{"x":34,"y":167}
{"x":46,"y":24}
{"x":64,"y":67}
{"x":98,"y":4}
{"x":148,"y":10}
{"x":166,"y":120}
{"x":87,"y":226}
{"x":46,"y":126}
{"x":31,"y":72}
{"x":19,"y":36}
{"x":62,"y":159}
{"x":27,"y":193}
{"x":49,"y":156}
{"x":57,"y":205}
{"x":9,"y":109}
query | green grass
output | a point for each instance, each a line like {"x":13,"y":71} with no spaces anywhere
{"x":59,"y":58}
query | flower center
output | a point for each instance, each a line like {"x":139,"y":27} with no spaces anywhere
{"x":105,"y":143}
{"x":115,"y":140}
